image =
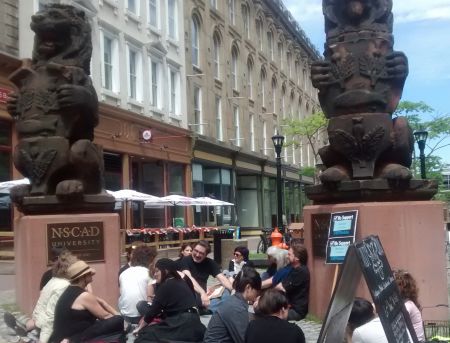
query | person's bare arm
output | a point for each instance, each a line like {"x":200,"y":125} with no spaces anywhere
{"x":266,"y":283}
{"x":198,"y":289}
{"x":88,"y":301}
{"x":107,"y":307}
{"x":224,"y":281}
{"x":280,"y":287}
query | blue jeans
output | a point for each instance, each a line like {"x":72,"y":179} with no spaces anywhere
{"x":215,"y":303}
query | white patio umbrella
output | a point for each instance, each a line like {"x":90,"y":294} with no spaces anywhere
{"x":7,"y":185}
{"x":206,"y":201}
{"x":174,"y":200}
{"x":125,"y":195}
{"x":130,"y":194}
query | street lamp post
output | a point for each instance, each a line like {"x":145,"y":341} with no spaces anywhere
{"x":278,"y":141}
{"x":421,"y":138}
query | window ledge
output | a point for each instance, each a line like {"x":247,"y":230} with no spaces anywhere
{"x":106,"y":93}
{"x":153,"y":29}
{"x":172,"y":41}
{"x":197,"y":69}
{"x":218,"y":83}
{"x":158,"y":111}
{"x":133,"y":16}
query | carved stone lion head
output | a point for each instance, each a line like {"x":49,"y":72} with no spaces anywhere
{"x":63,"y":36}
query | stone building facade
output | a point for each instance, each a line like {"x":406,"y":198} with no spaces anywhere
{"x":210,"y":80}
{"x":247,"y":65}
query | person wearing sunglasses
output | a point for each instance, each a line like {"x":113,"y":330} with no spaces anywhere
{"x":240,"y":259}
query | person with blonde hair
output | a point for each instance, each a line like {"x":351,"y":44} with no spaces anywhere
{"x":44,"y":311}
{"x":410,"y":292}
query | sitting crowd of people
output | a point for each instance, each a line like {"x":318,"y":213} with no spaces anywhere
{"x":163,"y":299}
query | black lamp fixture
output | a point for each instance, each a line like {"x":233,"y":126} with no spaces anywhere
{"x":278,"y":141}
{"x":421,"y":139}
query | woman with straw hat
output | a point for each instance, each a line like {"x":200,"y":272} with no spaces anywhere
{"x":80,"y":315}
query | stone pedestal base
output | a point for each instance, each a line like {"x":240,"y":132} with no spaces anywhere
{"x":31,"y":258}
{"x":413,"y":236}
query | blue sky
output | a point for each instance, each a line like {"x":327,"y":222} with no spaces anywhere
{"x":421,"y":31}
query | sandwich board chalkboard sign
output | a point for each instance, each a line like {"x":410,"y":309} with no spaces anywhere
{"x":368,"y":258}
{"x":341,"y":235}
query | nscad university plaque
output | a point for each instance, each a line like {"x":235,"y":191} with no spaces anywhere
{"x":85,"y":240}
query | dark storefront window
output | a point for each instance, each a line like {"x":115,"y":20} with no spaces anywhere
{"x":269,"y":202}
{"x":292,"y":202}
{"x":176,"y":186}
{"x":5,"y":175}
{"x":113,"y":171}
{"x":247,"y":194}
{"x":147,"y":178}
{"x":215,"y":183}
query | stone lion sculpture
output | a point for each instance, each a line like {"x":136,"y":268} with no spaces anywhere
{"x":56,"y":110}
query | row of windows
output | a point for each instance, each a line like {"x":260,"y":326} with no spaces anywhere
{"x":290,"y":61}
{"x":137,"y":68}
{"x":153,"y":10}
{"x":237,"y":136}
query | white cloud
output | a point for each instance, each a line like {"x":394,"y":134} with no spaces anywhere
{"x":418,"y":10}
{"x":404,"y":10}
{"x":304,"y":10}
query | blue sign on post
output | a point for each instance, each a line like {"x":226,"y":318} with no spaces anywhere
{"x":340,"y":235}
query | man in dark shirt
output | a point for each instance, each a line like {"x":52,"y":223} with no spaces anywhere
{"x":199,"y":267}
{"x":296,"y":283}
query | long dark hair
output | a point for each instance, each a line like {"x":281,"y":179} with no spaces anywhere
{"x":168,"y":269}
{"x":247,"y":276}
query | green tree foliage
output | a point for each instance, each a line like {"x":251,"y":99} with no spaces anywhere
{"x":438,"y":127}
{"x":310,"y":128}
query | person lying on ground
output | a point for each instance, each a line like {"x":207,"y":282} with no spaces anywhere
{"x":229,"y":323}
{"x":80,"y":315}
{"x":271,"y":322}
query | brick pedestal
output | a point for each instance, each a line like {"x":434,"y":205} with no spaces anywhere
{"x":413,"y":236}
{"x":31,"y":260}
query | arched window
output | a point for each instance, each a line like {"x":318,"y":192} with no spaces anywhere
{"x":234,"y":68}
{"x":250,"y":77}
{"x":259,"y":33}
{"x":281,"y":53}
{"x":274,"y":94}
{"x":216,"y":55}
{"x":262,"y":83}
{"x":232,"y":11}
{"x":270,"y":44}
{"x":288,"y":62}
{"x":283,"y":101}
{"x":195,"y":40}
{"x":246,"y":20}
